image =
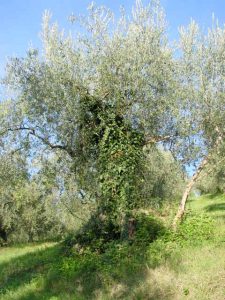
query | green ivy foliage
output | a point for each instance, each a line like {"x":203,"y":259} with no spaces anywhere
{"x":120,"y":161}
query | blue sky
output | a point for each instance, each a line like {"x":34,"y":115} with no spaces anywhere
{"x":21,"y":20}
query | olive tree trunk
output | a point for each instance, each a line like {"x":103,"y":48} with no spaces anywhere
{"x":193,"y":180}
{"x":187,"y":191}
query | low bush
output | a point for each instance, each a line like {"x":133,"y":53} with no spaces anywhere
{"x":148,"y":228}
{"x":194,"y":229}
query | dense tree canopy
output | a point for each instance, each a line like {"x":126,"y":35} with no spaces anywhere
{"x":119,"y":110}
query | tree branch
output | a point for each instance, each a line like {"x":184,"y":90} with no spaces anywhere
{"x":45,"y":141}
{"x":157,"y":139}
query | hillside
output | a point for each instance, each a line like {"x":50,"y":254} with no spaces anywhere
{"x":183,"y":267}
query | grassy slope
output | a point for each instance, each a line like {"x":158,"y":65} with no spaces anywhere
{"x":191,"y":272}
{"x":201,"y":272}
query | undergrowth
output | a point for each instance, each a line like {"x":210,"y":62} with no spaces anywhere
{"x":153,"y":245}
{"x":99,"y":267}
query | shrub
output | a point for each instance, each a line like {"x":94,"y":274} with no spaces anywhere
{"x":148,"y":228}
{"x":195,"y":229}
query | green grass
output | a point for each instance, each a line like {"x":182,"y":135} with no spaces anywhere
{"x":23,"y":269}
{"x":45,"y":272}
{"x":213,"y":206}
{"x":174,"y":269}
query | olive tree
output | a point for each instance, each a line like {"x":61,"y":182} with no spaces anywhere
{"x":13,"y":174}
{"x":203,"y":65}
{"x":100,"y":96}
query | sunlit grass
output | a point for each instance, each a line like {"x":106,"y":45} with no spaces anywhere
{"x":194,"y":272}
{"x":23,"y":269}
{"x":23,"y":291}
{"x":214,"y":206}
{"x":8,"y":253}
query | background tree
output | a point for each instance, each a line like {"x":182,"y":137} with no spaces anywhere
{"x":28,"y":207}
{"x":202,"y":62}
{"x":13,"y":173}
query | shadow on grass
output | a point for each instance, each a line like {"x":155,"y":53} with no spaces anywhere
{"x":116,"y":274}
{"x":218,"y":195}
{"x":215,"y":207}
{"x":21,"y":270}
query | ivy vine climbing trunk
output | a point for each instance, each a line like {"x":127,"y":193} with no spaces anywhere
{"x":120,"y":159}
{"x":114,"y":148}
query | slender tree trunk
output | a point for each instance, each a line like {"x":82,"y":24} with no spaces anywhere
{"x":194,"y":178}
{"x":187,"y":191}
